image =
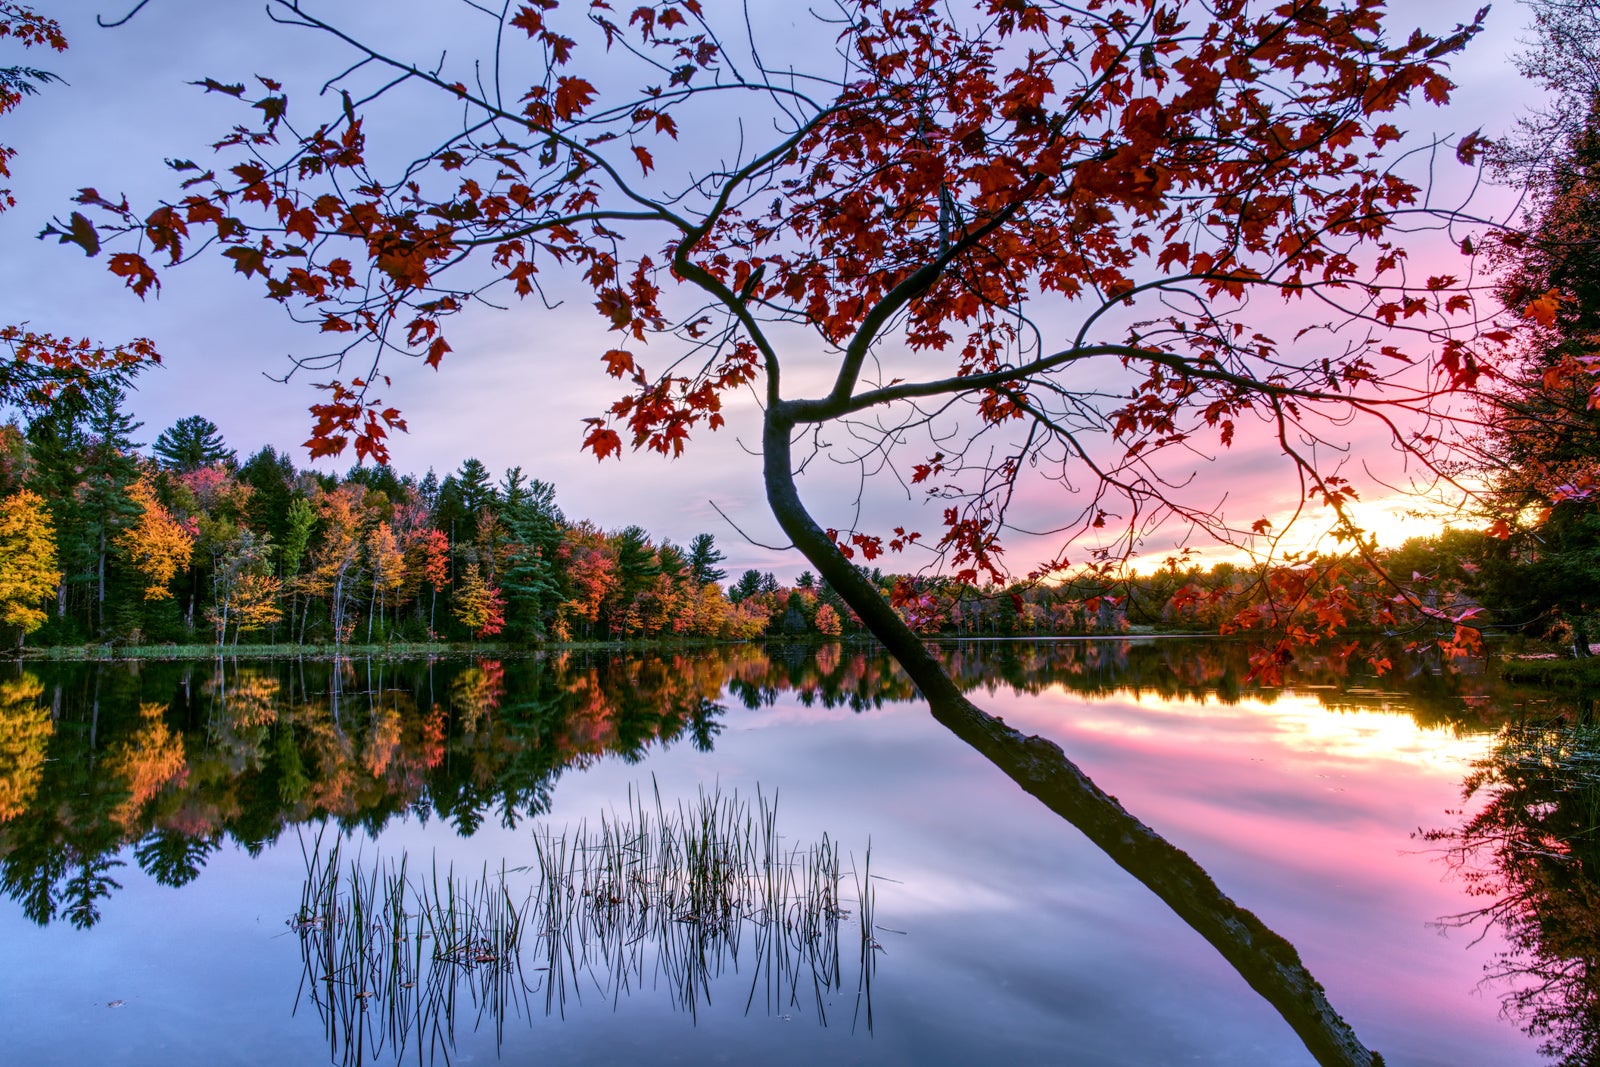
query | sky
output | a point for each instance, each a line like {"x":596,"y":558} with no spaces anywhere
{"x":519,"y":382}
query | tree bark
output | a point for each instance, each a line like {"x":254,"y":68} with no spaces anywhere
{"x":1265,"y":960}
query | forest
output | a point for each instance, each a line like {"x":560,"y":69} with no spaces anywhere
{"x":188,"y":544}
{"x":183,"y":543}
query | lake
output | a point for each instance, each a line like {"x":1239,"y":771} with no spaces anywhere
{"x":769,"y":854}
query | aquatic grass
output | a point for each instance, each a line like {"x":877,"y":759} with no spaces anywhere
{"x":385,"y":956}
{"x":650,"y":897}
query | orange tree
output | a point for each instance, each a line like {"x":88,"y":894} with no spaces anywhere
{"x":984,"y":242}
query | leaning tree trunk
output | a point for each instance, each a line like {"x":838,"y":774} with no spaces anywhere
{"x":1264,"y":959}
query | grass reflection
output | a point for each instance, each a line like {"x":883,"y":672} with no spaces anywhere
{"x":652,"y":898}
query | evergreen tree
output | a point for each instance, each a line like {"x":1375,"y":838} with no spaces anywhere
{"x":703,"y":559}
{"x":110,"y":467}
{"x":381,"y":478}
{"x":748,"y":585}
{"x":56,"y":446}
{"x":449,"y":510}
{"x":672,"y":562}
{"x":477,"y":492}
{"x":428,"y":490}
{"x":271,"y":479}
{"x":534,"y":529}
{"x":191,"y":443}
{"x":636,"y":567}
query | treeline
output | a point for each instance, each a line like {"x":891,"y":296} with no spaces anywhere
{"x":99,"y":542}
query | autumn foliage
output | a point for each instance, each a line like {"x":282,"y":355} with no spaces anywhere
{"x":28,"y":571}
{"x":1170,"y":159}
{"x":157,"y":545}
{"x":1027,"y":240}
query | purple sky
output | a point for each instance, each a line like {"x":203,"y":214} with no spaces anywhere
{"x":520,"y":381}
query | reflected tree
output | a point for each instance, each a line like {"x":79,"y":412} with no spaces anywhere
{"x":1532,"y":854}
{"x":174,"y":858}
{"x":257,"y":749}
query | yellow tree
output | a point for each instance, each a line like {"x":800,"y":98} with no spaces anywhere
{"x":25,"y":730}
{"x":387,"y":565}
{"x":146,"y":763}
{"x":479,"y":606}
{"x":28,"y":572}
{"x":256,"y":602}
{"x":336,"y":562}
{"x":157,"y":544}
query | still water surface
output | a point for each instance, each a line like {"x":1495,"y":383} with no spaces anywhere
{"x":156,"y":822}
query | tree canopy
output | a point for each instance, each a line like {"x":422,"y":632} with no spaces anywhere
{"x":191,"y":443}
{"x":969,"y":245}
{"x":1541,"y":450}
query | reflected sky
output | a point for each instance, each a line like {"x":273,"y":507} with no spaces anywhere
{"x":1007,"y":936}
{"x":1313,"y":810}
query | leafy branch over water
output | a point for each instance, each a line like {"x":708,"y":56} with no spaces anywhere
{"x":653,"y":897}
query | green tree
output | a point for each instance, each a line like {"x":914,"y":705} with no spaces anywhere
{"x":637,"y":566}
{"x":530,"y":576}
{"x":299,"y":522}
{"x":748,"y":585}
{"x":57,"y":446}
{"x":110,"y":468}
{"x":190,"y":443}
{"x":477,"y":489}
{"x":703,"y":559}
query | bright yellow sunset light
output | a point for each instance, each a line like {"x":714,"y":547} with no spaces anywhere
{"x":1295,"y":722}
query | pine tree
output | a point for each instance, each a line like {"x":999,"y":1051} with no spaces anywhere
{"x":56,"y":448}
{"x":703,"y":559}
{"x":533,"y":529}
{"x":748,"y":585}
{"x":477,"y":492}
{"x":636,"y":567}
{"x":110,"y":467}
{"x":191,"y":443}
{"x":428,"y":489}
{"x":271,"y":478}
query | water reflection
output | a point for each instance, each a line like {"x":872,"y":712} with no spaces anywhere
{"x":655,"y":896}
{"x":177,"y":759}
{"x":1531,"y":854}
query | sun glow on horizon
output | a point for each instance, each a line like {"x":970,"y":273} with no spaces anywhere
{"x":1294,"y":721}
